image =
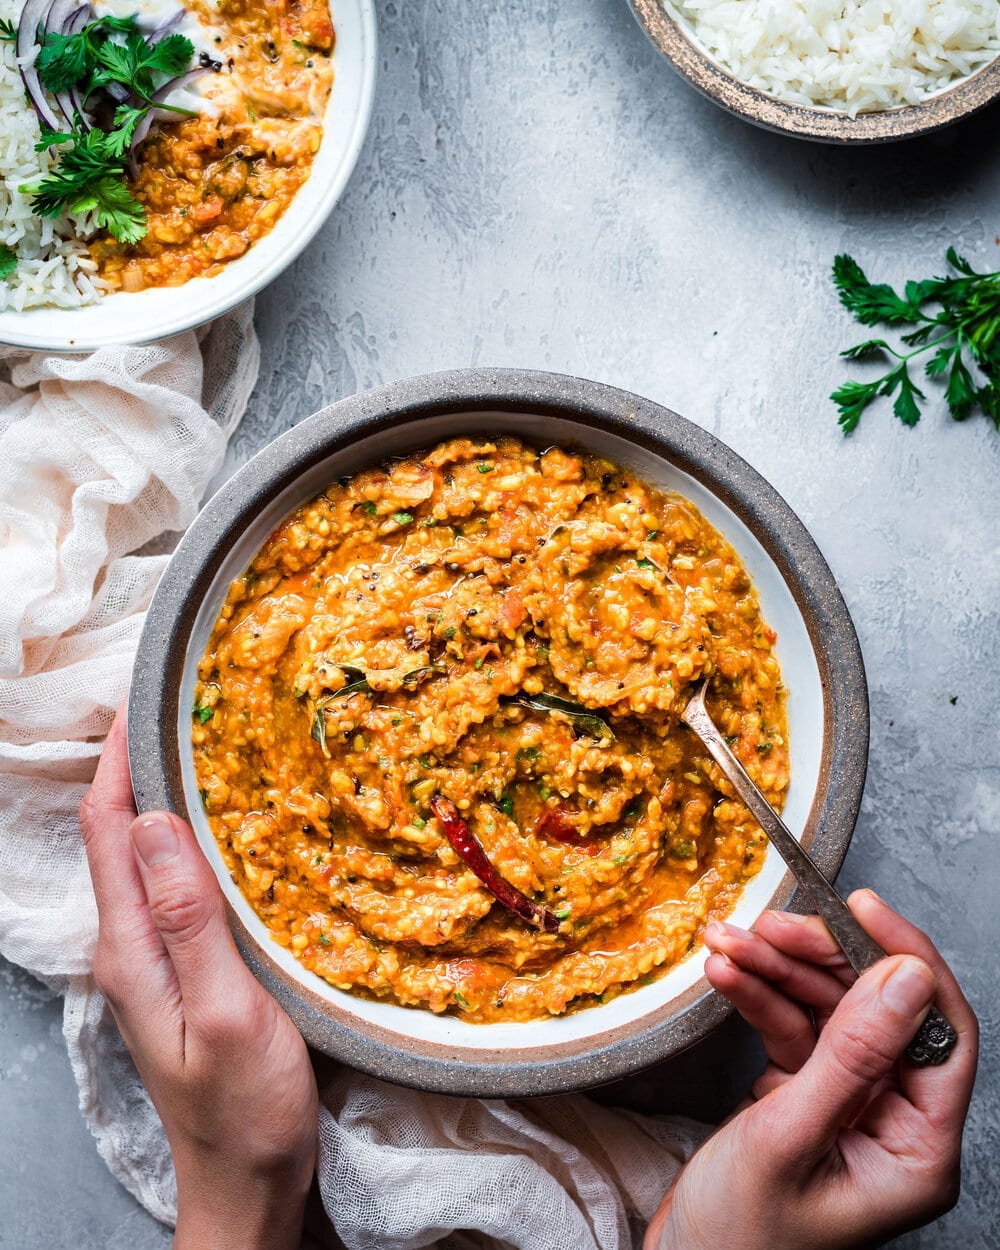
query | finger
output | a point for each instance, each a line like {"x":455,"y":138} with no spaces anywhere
{"x":186,"y":905}
{"x":106,"y":812}
{"x":806,"y":938}
{"x":785,"y":1028}
{"x":859,"y":1048}
{"x":770,"y":1079}
{"x":941,"y":1093}
{"x":800,"y":980}
{"x":129,"y":956}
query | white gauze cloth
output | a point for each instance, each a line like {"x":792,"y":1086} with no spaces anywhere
{"x":100,"y":456}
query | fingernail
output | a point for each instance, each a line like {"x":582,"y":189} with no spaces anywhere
{"x":720,"y":929}
{"x":155,"y":839}
{"x":871,"y":894}
{"x":790,"y":917}
{"x":909,"y":988}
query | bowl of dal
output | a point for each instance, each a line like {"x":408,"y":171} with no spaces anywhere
{"x":414,"y":677}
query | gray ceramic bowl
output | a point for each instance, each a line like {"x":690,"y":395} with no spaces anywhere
{"x":672,"y":38}
{"x":817,"y":647}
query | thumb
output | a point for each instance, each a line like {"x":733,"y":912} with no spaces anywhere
{"x":862,"y":1042}
{"x":187,"y":907}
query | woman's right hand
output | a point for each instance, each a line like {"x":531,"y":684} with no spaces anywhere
{"x":846,"y":1143}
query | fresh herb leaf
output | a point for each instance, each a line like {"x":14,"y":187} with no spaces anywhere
{"x":203,"y":713}
{"x":402,"y":518}
{"x":870,"y":303}
{"x":582,"y":718}
{"x":485,"y":468}
{"x":962,"y":333}
{"x":8,"y":261}
{"x":135,"y":62}
{"x":8,"y":31}
{"x":506,"y":804}
{"x":369,"y":507}
{"x":460,"y":998}
{"x":66,"y":60}
{"x":867,"y":349}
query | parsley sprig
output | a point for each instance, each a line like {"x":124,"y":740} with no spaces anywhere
{"x":963,"y":334}
{"x":91,"y":173}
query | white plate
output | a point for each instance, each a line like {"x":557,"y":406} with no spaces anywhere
{"x":157,"y":313}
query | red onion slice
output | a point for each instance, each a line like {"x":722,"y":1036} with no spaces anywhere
{"x":77,"y":20}
{"x":70,"y":102}
{"x":166,"y":27}
{"x":57,"y":16}
{"x":55,"y":23}
{"x":32,"y":20}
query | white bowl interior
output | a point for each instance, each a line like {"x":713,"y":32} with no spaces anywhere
{"x":154,"y":314}
{"x":793,"y":649}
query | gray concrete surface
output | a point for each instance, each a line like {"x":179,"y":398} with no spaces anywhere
{"x":538,"y":189}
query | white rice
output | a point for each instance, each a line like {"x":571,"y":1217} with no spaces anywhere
{"x":53,"y":265}
{"x":851,"y":55}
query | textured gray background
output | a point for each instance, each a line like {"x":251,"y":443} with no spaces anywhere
{"x":539,"y":189}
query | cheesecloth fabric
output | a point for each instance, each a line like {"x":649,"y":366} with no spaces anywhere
{"x":103,"y":460}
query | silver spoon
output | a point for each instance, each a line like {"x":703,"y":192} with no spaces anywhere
{"x":935,"y":1038}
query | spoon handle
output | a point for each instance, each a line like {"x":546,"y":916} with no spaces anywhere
{"x":935,"y":1038}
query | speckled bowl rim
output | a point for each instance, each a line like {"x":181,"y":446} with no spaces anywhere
{"x":153,"y":704}
{"x":678,"y":46}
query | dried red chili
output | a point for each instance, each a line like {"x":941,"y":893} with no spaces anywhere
{"x":554,"y":823}
{"x":468,"y":846}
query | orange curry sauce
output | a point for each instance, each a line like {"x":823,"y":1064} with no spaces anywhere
{"x":384,"y":649}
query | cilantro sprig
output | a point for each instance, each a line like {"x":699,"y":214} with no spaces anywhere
{"x":8,"y":261}
{"x":8,"y":31}
{"x":110,"y":55}
{"x":90,"y":177}
{"x":963,"y":334}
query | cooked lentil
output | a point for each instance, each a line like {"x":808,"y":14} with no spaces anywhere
{"x":214,"y":184}
{"x":369,"y":660}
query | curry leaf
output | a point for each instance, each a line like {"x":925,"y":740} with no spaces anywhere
{"x":585,"y":719}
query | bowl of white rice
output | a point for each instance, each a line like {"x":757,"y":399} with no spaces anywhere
{"x":54,"y":299}
{"x":838,"y":71}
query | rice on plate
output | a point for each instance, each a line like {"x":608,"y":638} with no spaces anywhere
{"x":53,"y":263}
{"x":853,"y":56}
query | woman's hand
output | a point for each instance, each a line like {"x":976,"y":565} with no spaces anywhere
{"x":224,"y":1065}
{"x":845,"y":1145}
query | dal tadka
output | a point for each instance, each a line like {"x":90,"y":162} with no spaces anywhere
{"x":487,"y":646}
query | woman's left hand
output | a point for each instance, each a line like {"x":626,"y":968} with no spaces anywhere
{"x":225,"y":1067}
